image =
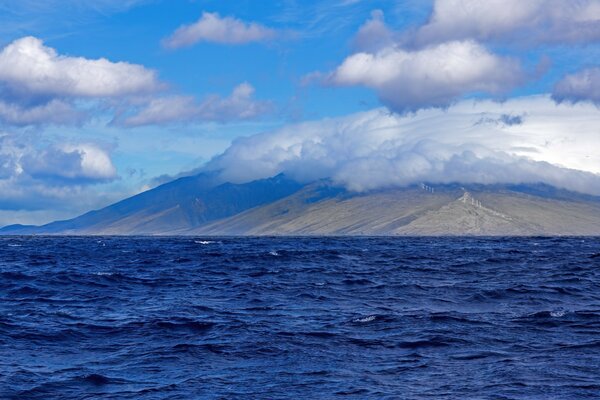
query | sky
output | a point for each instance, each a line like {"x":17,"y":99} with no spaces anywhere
{"x":103,"y":99}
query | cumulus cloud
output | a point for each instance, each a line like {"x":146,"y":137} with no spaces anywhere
{"x":517,"y":21}
{"x":80,"y":163}
{"x":448,"y":57}
{"x":376,"y":149}
{"x":431,"y":77}
{"x":43,"y":175}
{"x":374,"y":34}
{"x":45,"y":179}
{"x":211,"y":27}
{"x":581,"y":86}
{"x":28,"y":68}
{"x":54,"y":164}
{"x":240,"y":105}
{"x":38,"y":86}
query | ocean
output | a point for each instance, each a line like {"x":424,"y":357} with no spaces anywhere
{"x":301,"y":318}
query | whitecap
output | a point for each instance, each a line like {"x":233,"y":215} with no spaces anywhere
{"x":557,"y":313}
{"x":274,"y":253}
{"x":203,"y":241}
{"x":365,"y":319}
{"x":14,"y":245}
{"x":103,"y":273}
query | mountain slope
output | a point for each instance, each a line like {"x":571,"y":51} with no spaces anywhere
{"x":320,"y":210}
{"x":448,"y":210}
{"x":170,"y":208}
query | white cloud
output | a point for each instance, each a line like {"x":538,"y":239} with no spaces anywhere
{"x":240,"y":105}
{"x":432,"y":77}
{"x":38,"y":86}
{"x":96,"y":163}
{"x":581,"y":86}
{"x":28,"y":68}
{"x":445,"y":59}
{"x":211,"y":27}
{"x":552,"y":144}
{"x":59,"y":178}
{"x":515,"y":21}
{"x":54,"y":164}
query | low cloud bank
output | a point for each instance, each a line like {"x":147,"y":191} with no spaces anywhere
{"x":525,"y":140}
{"x":36,"y":174}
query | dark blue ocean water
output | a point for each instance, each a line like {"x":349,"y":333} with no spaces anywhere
{"x":302,"y":318}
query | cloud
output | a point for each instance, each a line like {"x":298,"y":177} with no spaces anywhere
{"x":28,"y":194}
{"x":211,"y":27}
{"x":432,"y":77}
{"x":240,"y":105}
{"x":376,"y":149}
{"x":54,"y":164}
{"x":581,"y":86}
{"x":28,"y":69}
{"x":55,"y":112}
{"x":50,"y":175}
{"x":82,"y":163}
{"x":448,"y":57}
{"x":38,"y":86}
{"x":513,"y":21}
{"x":374,"y":34}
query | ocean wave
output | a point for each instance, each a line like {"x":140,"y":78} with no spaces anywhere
{"x":157,"y":318}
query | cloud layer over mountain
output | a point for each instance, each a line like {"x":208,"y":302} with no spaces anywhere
{"x":89,"y":95}
{"x":526,"y":140}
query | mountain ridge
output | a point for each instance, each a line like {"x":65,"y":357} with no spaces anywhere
{"x":201,"y":205}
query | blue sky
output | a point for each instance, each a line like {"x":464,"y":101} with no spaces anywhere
{"x":180,"y":80}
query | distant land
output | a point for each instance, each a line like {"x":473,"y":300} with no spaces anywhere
{"x":199,"y":205}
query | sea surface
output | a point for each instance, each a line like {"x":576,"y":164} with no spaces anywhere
{"x":301,"y":318}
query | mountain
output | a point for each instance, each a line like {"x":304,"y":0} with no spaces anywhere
{"x":199,"y":205}
{"x":172,"y":208}
{"x":444,"y":210}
